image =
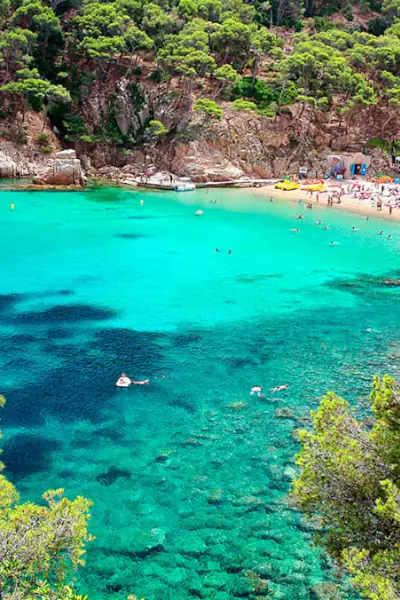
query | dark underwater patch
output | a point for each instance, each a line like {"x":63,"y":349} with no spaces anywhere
{"x":366,"y":284}
{"x":26,"y":454}
{"x":112,"y":475}
{"x":57,"y":334}
{"x":70,"y":313}
{"x":255,"y":278}
{"x":131,"y":236}
{"x":8,"y":301}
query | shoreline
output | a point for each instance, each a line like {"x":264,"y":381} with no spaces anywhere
{"x":348,"y":203}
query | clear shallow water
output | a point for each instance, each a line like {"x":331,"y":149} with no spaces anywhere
{"x":189,"y":487}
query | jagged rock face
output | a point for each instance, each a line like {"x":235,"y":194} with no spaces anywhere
{"x":248,"y":144}
{"x":130,"y":109}
{"x":65,"y":169}
{"x":8,"y":167}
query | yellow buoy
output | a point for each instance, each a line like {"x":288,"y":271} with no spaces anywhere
{"x":142,"y":202}
{"x":12,"y":206}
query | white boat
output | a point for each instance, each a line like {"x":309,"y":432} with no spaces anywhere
{"x":185,"y":187}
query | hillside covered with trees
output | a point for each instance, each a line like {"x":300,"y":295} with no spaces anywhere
{"x":129,"y":73}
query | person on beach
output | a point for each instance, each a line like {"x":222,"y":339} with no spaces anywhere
{"x":279,"y":388}
{"x":256,"y":389}
{"x":390,"y":209}
{"x":379,"y":204}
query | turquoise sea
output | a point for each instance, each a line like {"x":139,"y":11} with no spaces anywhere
{"x":189,"y":475}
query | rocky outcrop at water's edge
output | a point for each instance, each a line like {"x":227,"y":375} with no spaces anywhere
{"x":64,"y":169}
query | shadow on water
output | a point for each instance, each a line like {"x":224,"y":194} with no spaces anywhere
{"x":131,"y":236}
{"x":27,"y":454}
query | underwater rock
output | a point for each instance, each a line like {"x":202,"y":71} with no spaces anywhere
{"x":237,"y":405}
{"x":284,"y":413}
{"x":192,"y":545}
{"x":290,"y":473}
{"x":164,"y":455}
{"x":326,"y":591}
{"x":215,"y":496}
{"x":217,"y":580}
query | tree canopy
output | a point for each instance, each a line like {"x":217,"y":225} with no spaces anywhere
{"x":350,"y":478}
{"x":40,"y":545}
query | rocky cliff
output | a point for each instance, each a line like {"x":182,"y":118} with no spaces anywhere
{"x":240,"y":144}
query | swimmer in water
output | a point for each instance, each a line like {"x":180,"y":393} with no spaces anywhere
{"x":295,"y":230}
{"x":217,"y":250}
{"x":367,"y":218}
{"x":256,"y":389}
{"x":141,"y":382}
{"x":326,"y":227}
{"x":389,"y":237}
{"x":279,"y":388}
{"x":300,"y":217}
{"x":319,"y":222}
{"x":381,"y":232}
{"x":333,"y":243}
{"x":355,"y":229}
{"x":123,"y":381}
{"x":229,"y":251}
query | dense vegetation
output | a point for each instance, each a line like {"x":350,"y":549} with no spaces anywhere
{"x":40,"y":545}
{"x":350,"y":478}
{"x":53,"y":51}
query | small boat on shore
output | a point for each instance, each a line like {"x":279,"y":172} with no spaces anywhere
{"x":184,"y":187}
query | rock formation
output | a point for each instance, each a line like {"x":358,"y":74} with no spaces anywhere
{"x":63,"y":169}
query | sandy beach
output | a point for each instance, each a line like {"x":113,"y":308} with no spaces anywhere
{"x":348,"y":202}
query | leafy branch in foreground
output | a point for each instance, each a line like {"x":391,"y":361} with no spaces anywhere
{"x":350,"y":477}
{"x":40,"y":545}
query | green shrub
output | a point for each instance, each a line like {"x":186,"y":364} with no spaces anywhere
{"x":244,"y":105}
{"x":323,"y":104}
{"x":87,"y":139}
{"x":208,"y":108}
{"x":42,"y":139}
{"x":46,"y":150}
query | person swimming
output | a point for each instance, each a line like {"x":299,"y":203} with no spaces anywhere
{"x":389,"y":237}
{"x":217,"y":250}
{"x":279,"y":388}
{"x":367,"y":218}
{"x":198,"y":213}
{"x":300,"y":217}
{"x":319,"y":222}
{"x":141,"y":382}
{"x":123,"y":381}
{"x":256,"y":389}
{"x":381,"y":232}
{"x":229,"y":251}
{"x":333,"y":243}
{"x":326,"y":227}
{"x":355,"y":229}
{"x":295,"y":230}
